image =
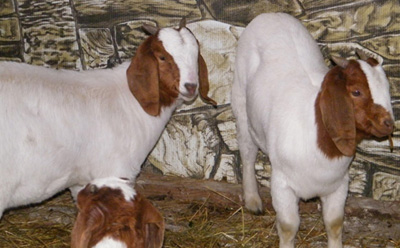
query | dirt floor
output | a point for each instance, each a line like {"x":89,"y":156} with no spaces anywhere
{"x":206,"y":214}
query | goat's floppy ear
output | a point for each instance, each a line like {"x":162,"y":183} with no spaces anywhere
{"x":337,"y":112}
{"x":80,"y":238}
{"x":203,"y":81}
{"x":85,"y":225}
{"x":154,"y":235}
{"x":152,"y":222}
{"x":143,"y":80}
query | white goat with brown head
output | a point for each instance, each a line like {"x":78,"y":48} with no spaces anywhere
{"x":63,"y":129}
{"x":306,"y":118}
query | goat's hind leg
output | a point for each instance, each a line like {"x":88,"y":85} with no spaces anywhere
{"x":248,"y":151}
{"x":248,"y":154}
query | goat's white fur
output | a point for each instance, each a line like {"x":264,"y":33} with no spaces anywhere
{"x":65,"y":128}
{"x":116,"y":183}
{"x":108,"y":242}
{"x":379,"y":85}
{"x":278,"y":74}
{"x":184,"y":60}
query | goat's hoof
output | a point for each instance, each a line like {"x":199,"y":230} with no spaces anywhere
{"x":254,"y":205}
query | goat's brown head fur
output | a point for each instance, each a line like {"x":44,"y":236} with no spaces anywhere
{"x":154,"y":76}
{"x":104,"y":212}
{"x":346,"y":112}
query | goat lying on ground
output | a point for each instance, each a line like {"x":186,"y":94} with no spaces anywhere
{"x":112,"y":214}
{"x":63,"y":129}
{"x":306,"y":118}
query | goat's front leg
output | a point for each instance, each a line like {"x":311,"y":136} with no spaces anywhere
{"x":286,"y":205}
{"x":333,"y":212}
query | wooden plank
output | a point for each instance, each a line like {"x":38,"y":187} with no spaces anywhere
{"x":229,"y":195}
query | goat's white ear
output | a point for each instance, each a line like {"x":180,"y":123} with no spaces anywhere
{"x":337,"y":112}
{"x":369,"y":59}
{"x":342,"y":62}
{"x":143,"y":81}
{"x":203,"y":81}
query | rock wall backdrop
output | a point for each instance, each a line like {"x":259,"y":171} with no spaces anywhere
{"x":200,"y":141}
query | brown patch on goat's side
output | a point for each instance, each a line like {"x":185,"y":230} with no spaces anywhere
{"x":153,"y":76}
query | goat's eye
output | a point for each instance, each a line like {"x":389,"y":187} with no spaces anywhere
{"x":356,"y":93}
{"x":162,"y":58}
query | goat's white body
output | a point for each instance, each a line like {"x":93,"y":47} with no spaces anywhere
{"x":63,"y":129}
{"x":285,"y":131}
{"x":278,"y":76}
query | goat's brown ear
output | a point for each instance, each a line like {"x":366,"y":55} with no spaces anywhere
{"x":80,"y":238}
{"x":152,"y":222}
{"x":154,"y":235}
{"x":142,"y":76}
{"x":84,"y":225}
{"x":337,"y":112}
{"x":203,"y":80}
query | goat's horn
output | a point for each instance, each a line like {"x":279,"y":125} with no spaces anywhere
{"x":150,"y":28}
{"x":182,"y":23}
{"x":362,"y":54}
{"x":342,"y":62}
{"x":93,"y":189}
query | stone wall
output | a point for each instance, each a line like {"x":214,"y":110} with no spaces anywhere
{"x":200,"y":140}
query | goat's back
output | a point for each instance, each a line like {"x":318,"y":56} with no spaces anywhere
{"x":279,"y":43}
{"x":279,"y":69}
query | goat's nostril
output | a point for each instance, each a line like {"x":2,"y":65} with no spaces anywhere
{"x":191,"y":88}
{"x":388,"y":123}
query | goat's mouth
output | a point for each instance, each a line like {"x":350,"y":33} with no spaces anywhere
{"x":384,"y":129}
{"x":188,"y":96}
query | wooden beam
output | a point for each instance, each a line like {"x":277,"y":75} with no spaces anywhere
{"x":223,"y":194}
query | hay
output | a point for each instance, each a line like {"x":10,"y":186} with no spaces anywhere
{"x":193,"y":224}
{"x":46,"y":225}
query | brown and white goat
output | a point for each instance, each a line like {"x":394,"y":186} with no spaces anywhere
{"x":306,"y":118}
{"x":112,"y":214}
{"x":62,"y":129}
